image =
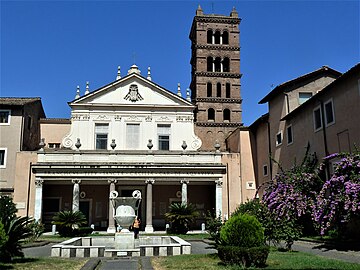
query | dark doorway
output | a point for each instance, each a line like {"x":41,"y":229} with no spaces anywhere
{"x":84,"y":208}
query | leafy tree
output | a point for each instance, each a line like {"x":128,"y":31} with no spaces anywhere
{"x":339,"y":200}
{"x":68,"y":221}
{"x":181,"y":216}
{"x":3,"y":239}
{"x":7,"y":209}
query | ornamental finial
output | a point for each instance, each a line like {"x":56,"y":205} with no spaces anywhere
{"x":77,"y":92}
{"x":149,"y":74}
{"x":87,"y":88}
{"x":179,"y":90}
{"x":118,"y":74}
{"x":188,"y":95}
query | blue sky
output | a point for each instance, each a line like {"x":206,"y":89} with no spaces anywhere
{"x":50,"y":47}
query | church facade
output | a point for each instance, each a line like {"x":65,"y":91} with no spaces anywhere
{"x":132,"y":134}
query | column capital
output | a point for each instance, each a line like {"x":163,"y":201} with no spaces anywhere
{"x":150,"y":181}
{"x":219,"y":182}
{"x":39,"y":182}
{"x":76,"y":181}
{"x":112,"y":181}
{"x":184,"y":181}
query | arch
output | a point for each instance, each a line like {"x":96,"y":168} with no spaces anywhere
{"x":218,"y":89}
{"x":227,"y":90}
{"x":209,"y":60}
{"x":227,"y":115}
{"x":217,"y":64}
{"x":209,"y":36}
{"x":226,"y":65}
{"x":217,"y":37}
{"x":209,"y":89}
{"x":225,"y":37}
{"x":211,"y":114}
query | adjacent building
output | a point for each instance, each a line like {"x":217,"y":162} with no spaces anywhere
{"x":19,"y":131}
{"x":318,"y":111}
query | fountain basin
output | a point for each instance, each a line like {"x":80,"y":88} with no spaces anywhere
{"x":104,"y":246}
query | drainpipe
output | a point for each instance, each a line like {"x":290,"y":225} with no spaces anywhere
{"x":28,"y":192}
{"x":322,"y":110}
{"x":22,"y":129}
{"x":269,"y":149}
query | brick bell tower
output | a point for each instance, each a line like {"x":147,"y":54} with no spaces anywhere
{"x":215,"y":76}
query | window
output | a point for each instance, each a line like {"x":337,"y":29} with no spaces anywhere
{"x":29,"y":122}
{"x":289,"y":135}
{"x":304,"y":97}
{"x":101,"y":135}
{"x":209,"y":36}
{"x":227,"y":115}
{"x":217,"y":64}
{"x":265,"y":170}
{"x":164,"y":136}
{"x":2,"y":157}
{"x":227,"y":90}
{"x":226,"y":65}
{"x":225,"y":37}
{"x":209,"y":63}
{"x":217,"y":37}
{"x":317,"y":119}
{"x":209,"y":89}
{"x":279,"y":138}
{"x":218,"y":89}
{"x":5,"y":117}
{"x":211,"y":114}
{"x":54,"y":145}
{"x":329,"y":113}
{"x":132,"y":136}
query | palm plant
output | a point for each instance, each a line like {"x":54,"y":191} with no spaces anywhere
{"x":67,"y":221}
{"x":181,"y":216}
{"x":16,"y":230}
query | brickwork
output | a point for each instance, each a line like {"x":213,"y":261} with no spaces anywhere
{"x":215,"y":84}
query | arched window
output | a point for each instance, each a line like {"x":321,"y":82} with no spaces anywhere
{"x":217,"y":37}
{"x":217,"y":64}
{"x":227,"y":115}
{"x":218,"y":89}
{"x":209,"y":89}
{"x":227,"y":90}
{"x":209,"y":63}
{"x":225,"y":37}
{"x":226,"y":65}
{"x":209,"y":36}
{"x":211,"y":114}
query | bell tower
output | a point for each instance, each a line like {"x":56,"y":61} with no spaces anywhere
{"x":215,"y":76}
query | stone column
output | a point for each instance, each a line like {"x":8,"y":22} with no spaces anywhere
{"x":213,"y":64}
{"x":221,"y":39}
{"x":221,"y":66}
{"x":184,"y":184}
{"x":149,"y":227}
{"x":111,"y":225}
{"x":38,"y":198}
{"x":218,"y":197}
{"x":76,"y":194}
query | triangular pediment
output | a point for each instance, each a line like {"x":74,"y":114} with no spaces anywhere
{"x":132,"y":90}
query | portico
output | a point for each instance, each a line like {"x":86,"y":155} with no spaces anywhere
{"x":188,"y":172}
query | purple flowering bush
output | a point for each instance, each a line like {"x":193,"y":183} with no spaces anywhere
{"x":290,"y":198}
{"x":339,"y":199}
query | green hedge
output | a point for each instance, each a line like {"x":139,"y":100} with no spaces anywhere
{"x":255,"y":256}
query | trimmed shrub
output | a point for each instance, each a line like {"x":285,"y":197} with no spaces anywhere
{"x":213,"y":226}
{"x":242,"y":231}
{"x":246,"y":257}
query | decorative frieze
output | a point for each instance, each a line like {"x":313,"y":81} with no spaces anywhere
{"x":184,"y":118}
{"x":117,"y":117}
{"x":163,"y":118}
{"x":132,"y":118}
{"x":80,"y":117}
{"x":39,"y":182}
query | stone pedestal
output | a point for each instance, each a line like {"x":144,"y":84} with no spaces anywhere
{"x":124,"y":240}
